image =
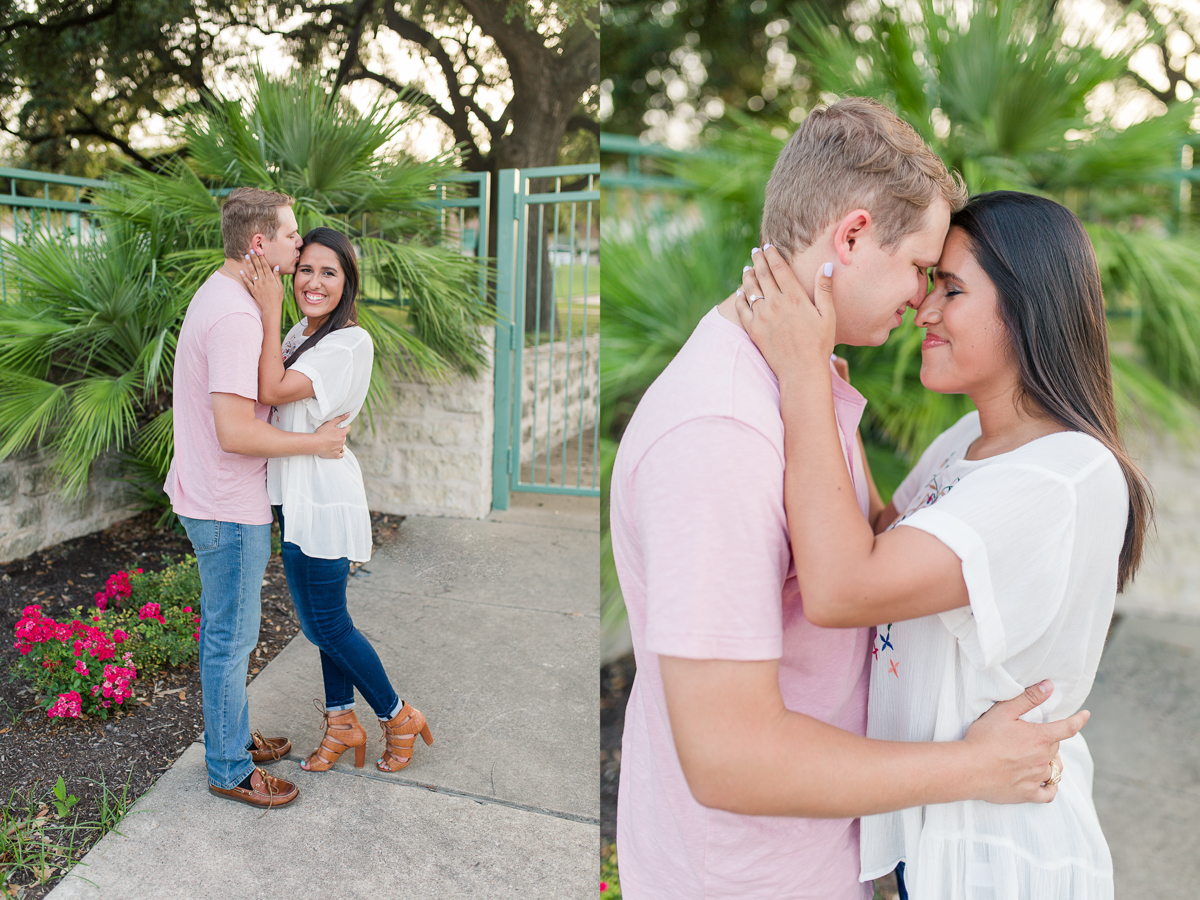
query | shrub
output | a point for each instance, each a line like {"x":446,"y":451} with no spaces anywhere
{"x":68,"y":662}
{"x":162,"y":615}
{"x":153,"y":617}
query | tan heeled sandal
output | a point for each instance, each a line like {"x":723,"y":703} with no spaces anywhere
{"x":399,"y":736}
{"x":342,"y":731}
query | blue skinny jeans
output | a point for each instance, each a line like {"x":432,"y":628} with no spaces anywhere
{"x":348,"y":660}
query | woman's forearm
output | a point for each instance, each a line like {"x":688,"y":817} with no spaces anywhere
{"x":875,"y":504}
{"x":830,"y":538}
{"x":270,"y":361}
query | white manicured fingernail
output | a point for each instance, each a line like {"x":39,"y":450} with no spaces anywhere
{"x":739,"y":292}
{"x":240,"y":272}
{"x":828,"y":270}
{"x":765,"y":246}
{"x":277,"y":268}
{"x":755,"y":250}
{"x":746,"y":269}
{"x":247,"y":256}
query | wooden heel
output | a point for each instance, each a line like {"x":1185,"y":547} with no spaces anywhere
{"x":360,"y":755}
{"x":427,"y":735}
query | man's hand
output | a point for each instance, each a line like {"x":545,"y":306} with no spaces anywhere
{"x":333,"y":435}
{"x":1014,"y":754}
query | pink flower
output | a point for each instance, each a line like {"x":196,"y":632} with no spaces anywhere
{"x":101,"y":601}
{"x":196,"y":635}
{"x":151,"y":611}
{"x":119,"y":636}
{"x":78,"y":648}
{"x":187,"y":609}
{"x":604,"y":886}
{"x":81,"y":667}
{"x":68,"y":705}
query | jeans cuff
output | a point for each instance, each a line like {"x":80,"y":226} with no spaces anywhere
{"x":340,"y":707}
{"x":395,"y":712}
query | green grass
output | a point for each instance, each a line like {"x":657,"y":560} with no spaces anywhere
{"x":40,"y":841}
{"x":568,"y":281}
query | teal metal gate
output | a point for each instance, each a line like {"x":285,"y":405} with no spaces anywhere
{"x":548,"y":337}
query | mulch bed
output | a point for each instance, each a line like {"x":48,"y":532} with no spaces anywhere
{"x":137,"y":744}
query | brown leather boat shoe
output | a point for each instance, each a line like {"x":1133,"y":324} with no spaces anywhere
{"x":265,"y":791}
{"x":269,"y":749}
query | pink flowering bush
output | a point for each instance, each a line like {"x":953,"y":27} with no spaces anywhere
{"x":161,"y":615}
{"x":68,"y":663}
{"x":142,"y":622}
{"x":116,"y":590}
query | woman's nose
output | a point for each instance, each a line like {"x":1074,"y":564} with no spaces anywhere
{"x":928,"y":313}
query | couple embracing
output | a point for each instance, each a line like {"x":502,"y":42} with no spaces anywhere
{"x":260,"y":425}
{"x":807,"y":654}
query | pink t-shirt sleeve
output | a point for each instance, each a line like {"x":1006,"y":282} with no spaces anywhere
{"x":233,"y":347}
{"x":709,"y":512}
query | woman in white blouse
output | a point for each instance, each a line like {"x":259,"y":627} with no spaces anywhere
{"x":322,"y":369}
{"x":1016,"y":529}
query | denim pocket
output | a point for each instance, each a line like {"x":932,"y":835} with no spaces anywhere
{"x":204,"y":534}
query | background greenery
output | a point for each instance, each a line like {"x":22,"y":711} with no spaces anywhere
{"x":1025,"y":96}
{"x":87,"y":338}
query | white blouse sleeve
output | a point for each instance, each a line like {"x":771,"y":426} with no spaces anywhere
{"x":1013,"y":527}
{"x":340,"y":371}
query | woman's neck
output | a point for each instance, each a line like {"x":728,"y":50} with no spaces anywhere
{"x":311,"y":326}
{"x":1006,"y":423}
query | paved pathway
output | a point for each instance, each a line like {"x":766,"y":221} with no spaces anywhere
{"x":1145,"y":708}
{"x":490,"y":628}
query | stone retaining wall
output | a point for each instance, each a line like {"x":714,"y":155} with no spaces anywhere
{"x":34,"y":515}
{"x":555,"y":419}
{"x":431,"y":450}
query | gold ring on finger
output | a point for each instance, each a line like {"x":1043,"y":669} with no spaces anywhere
{"x":1055,"y":773}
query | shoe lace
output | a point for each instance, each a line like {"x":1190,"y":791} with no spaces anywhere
{"x":267,"y":781}
{"x":262,"y":743}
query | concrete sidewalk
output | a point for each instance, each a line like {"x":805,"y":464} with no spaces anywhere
{"x":491,"y":628}
{"x":1145,"y":705}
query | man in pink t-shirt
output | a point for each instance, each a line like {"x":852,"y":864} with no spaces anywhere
{"x":218,"y":484}
{"x":743,"y":763}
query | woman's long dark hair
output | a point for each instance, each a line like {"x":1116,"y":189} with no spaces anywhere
{"x":344,"y":314}
{"x":1042,"y":264}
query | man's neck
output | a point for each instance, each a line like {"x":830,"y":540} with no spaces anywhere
{"x":230,"y":267}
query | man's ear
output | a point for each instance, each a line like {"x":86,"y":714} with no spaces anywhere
{"x":849,"y":231}
{"x":256,"y":242}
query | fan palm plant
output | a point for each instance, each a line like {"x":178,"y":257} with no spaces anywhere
{"x":87,"y":346}
{"x":1005,"y":93}
{"x":1002,"y":93}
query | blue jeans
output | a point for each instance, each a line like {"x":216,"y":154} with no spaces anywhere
{"x":900,"y":881}
{"x":348,"y":660}
{"x":232,"y":559}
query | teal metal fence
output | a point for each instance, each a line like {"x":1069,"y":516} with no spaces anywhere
{"x":24,"y":215}
{"x":548,"y":339}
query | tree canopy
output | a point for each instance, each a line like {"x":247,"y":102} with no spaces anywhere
{"x":119,"y":63}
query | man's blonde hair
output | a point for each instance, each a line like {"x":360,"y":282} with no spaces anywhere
{"x":247,"y":212}
{"x":855,"y":153}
